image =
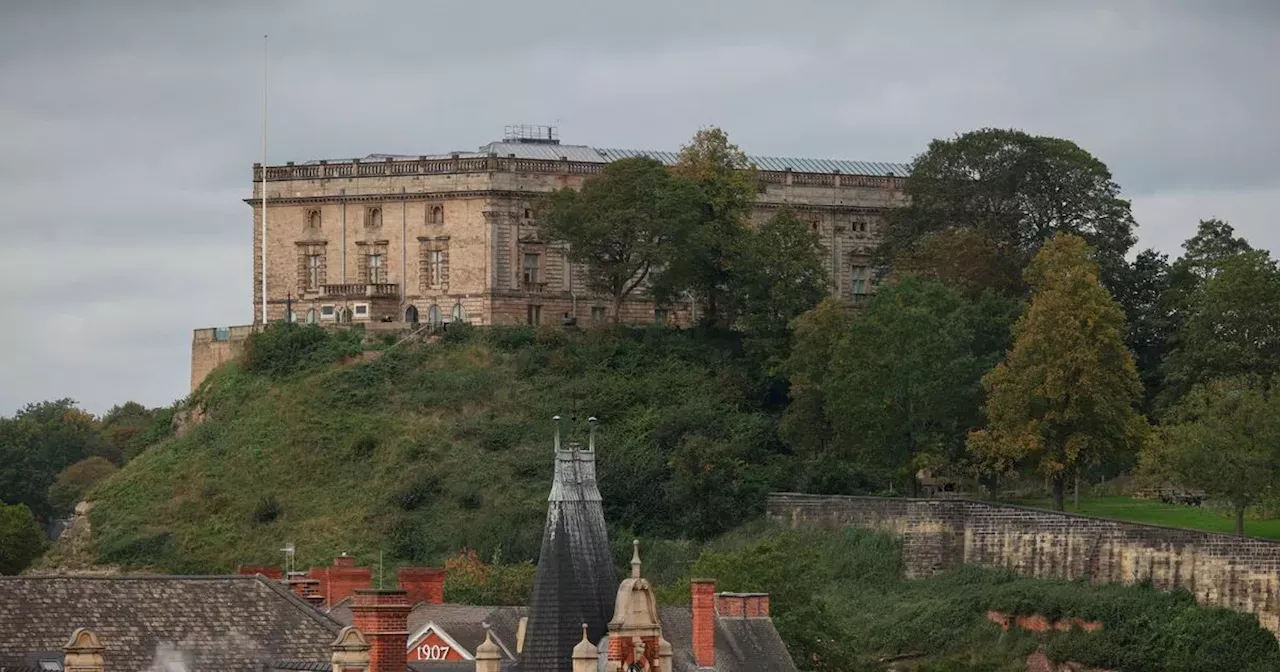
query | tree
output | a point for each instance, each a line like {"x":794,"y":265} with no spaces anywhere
{"x":120,"y":425}
{"x":73,"y":482}
{"x":21,"y":540}
{"x":624,"y":225}
{"x":727,"y":181}
{"x":804,"y":425}
{"x":1141,"y":291}
{"x":1223,"y":437}
{"x":1013,"y":192}
{"x":40,"y":441}
{"x":1065,"y":394}
{"x":904,"y":387}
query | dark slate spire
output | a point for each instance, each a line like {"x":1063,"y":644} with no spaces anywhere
{"x":575,"y":582}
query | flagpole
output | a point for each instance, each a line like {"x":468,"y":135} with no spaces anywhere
{"x":264,"y":180}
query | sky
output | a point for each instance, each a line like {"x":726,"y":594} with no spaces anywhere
{"x":130,"y":127}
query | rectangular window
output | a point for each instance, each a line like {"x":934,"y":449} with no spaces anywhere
{"x":860,"y":275}
{"x":530,"y":270}
{"x":314,"y":264}
{"x":534,"y":315}
{"x":377,"y":272}
{"x":435,"y":268}
{"x":597,"y":314}
{"x":362,"y":309}
{"x":326,"y":312}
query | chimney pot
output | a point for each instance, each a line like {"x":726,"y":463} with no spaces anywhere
{"x":704,"y":622}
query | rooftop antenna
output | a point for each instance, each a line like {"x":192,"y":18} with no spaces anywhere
{"x":264,"y":180}
{"x":288,"y":551}
{"x":556,"y":419}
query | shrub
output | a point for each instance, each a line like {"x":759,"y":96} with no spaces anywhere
{"x":417,"y":492}
{"x":21,"y":540}
{"x":74,"y":481}
{"x":267,"y":510}
{"x":458,"y":332}
{"x":285,"y":348}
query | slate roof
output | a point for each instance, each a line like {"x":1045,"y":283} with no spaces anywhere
{"x":213,"y":623}
{"x":575,"y":581}
{"x":462,"y":622}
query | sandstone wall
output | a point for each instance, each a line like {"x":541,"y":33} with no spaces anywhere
{"x":212,"y":347}
{"x":1220,"y":570}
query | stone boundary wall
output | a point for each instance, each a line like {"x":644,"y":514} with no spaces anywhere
{"x":1239,"y":573}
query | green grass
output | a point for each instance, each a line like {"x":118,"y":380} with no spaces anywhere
{"x":1209,"y":518}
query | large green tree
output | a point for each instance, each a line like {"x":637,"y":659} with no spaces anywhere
{"x":904,"y":388}
{"x":1009,"y":192}
{"x":1065,"y":394}
{"x":21,"y":540}
{"x":727,"y":181}
{"x":1222,"y":437}
{"x":804,"y":424}
{"x":625,"y":225}
{"x":38,"y":442}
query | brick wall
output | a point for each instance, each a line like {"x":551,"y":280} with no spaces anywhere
{"x":1220,"y":570}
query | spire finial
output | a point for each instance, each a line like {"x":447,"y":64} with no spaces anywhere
{"x":556,"y":419}
{"x":584,"y":634}
{"x":635,"y":558}
{"x":591,"y":437}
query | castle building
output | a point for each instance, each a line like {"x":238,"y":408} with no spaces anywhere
{"x":453,"y":237}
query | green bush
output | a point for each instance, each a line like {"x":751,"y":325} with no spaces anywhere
{"x":21,"y":540}
{"x":267,"y":510}
{"x":74,"y":481}
{"x":285,"y":348}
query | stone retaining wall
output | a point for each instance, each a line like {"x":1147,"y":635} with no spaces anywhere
{"x":1239,"y":573}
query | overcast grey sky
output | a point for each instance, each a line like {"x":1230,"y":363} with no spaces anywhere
{"x":129,"y":127}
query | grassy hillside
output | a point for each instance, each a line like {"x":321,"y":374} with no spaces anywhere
{"x":434,"y":447}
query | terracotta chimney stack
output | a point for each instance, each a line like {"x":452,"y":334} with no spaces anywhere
{"x":704,"y":622}
{"x":82,"y":653}
{"x":424,"y":584}
{"x":383,"y":617}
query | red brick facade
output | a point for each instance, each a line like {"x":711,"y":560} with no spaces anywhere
{"x":704,"y":622}
{"x":383,"y":617}
{"x":423,"y":584}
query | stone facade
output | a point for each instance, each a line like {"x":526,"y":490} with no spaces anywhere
{"x":1237,"y":573}
{"x":391,"y":238}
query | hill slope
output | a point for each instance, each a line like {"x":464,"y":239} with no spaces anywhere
{"x":434,"y":447}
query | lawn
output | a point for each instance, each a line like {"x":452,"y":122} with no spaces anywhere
{"x":1155,"y":512}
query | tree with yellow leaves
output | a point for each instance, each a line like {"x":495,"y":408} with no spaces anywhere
{"x":1066,"y":392}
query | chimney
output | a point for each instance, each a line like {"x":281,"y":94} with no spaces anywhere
{"x":350,"y":651}
{"x":342,"y":579}
{"x":424,"y":584}
{"x":383,"y":617}
{"x":269,"y":571}
{"x":344,"y":560}
{"x":488,"y":657}
{"x":742,"y":605}
{"x":704,"y":622}
{"x":82,"y":653}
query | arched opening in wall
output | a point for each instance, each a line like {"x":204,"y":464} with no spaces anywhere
{"x":373,"y":218}
{"x":434,"y":317}
{"x":411,"y":314}
{"x":437,"y":215}
{"x":290,"y":317}
{"x":459,"y":313}
{"x":344,"y":315}
{"x":313,"y":222}
{"x":312,"y":316}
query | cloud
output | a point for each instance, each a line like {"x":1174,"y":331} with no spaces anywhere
{"x":130,"y":127}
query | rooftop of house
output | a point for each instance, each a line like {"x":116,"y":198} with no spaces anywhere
{"x":554,"y":151}
{"x":227,"y":623}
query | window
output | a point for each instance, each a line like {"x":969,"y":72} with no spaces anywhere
{"x":373,"y":218}
{"x":313,"y":221}
{"x":312,"y":316}
{"x":362,"y":309}
{"x":377,"y":272}
{"x":326,"y":312}
{"x":411,"y":314}
{"x":597,"y":314}
{"x":859,"y":227}
{"x":530,"y":269}
{"x":534,"y":314}
{"x":659,"y":315}
{"x":315,"y":262}
{"x":436,"y":215}
{"x":528,"y":214}
{"x":435,"y":268}
{"x":459,"y":313}
{"x":434,"y":316}
{"x":859,"y":276}
{"x":290,"y":316}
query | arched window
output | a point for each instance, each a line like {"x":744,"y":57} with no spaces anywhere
{"x":434,"y":316}
{"x":344,"y":315}
{"x":459,"y":313}
{"x":313,"y":221}
{"x":373,"y":219}
{"x":312,"y":316}
{"x":437,"y":215}
{"x":290,"y":317}
{"x":411,"y":314}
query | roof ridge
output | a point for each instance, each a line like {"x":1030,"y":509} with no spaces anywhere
{"x":302,"y":605}
{"x":131,"y":577}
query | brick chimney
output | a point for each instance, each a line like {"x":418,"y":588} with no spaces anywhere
{"x":704,"y":622}
{"x":424,"y":584}
{"x":269,"y":571}
{"x":82,"y":653}
{"x":342,"y":579}
{"x":742,"y":605}
{"x":383,"y":617}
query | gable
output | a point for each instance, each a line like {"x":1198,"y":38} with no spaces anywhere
{"x":433,"y":645}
